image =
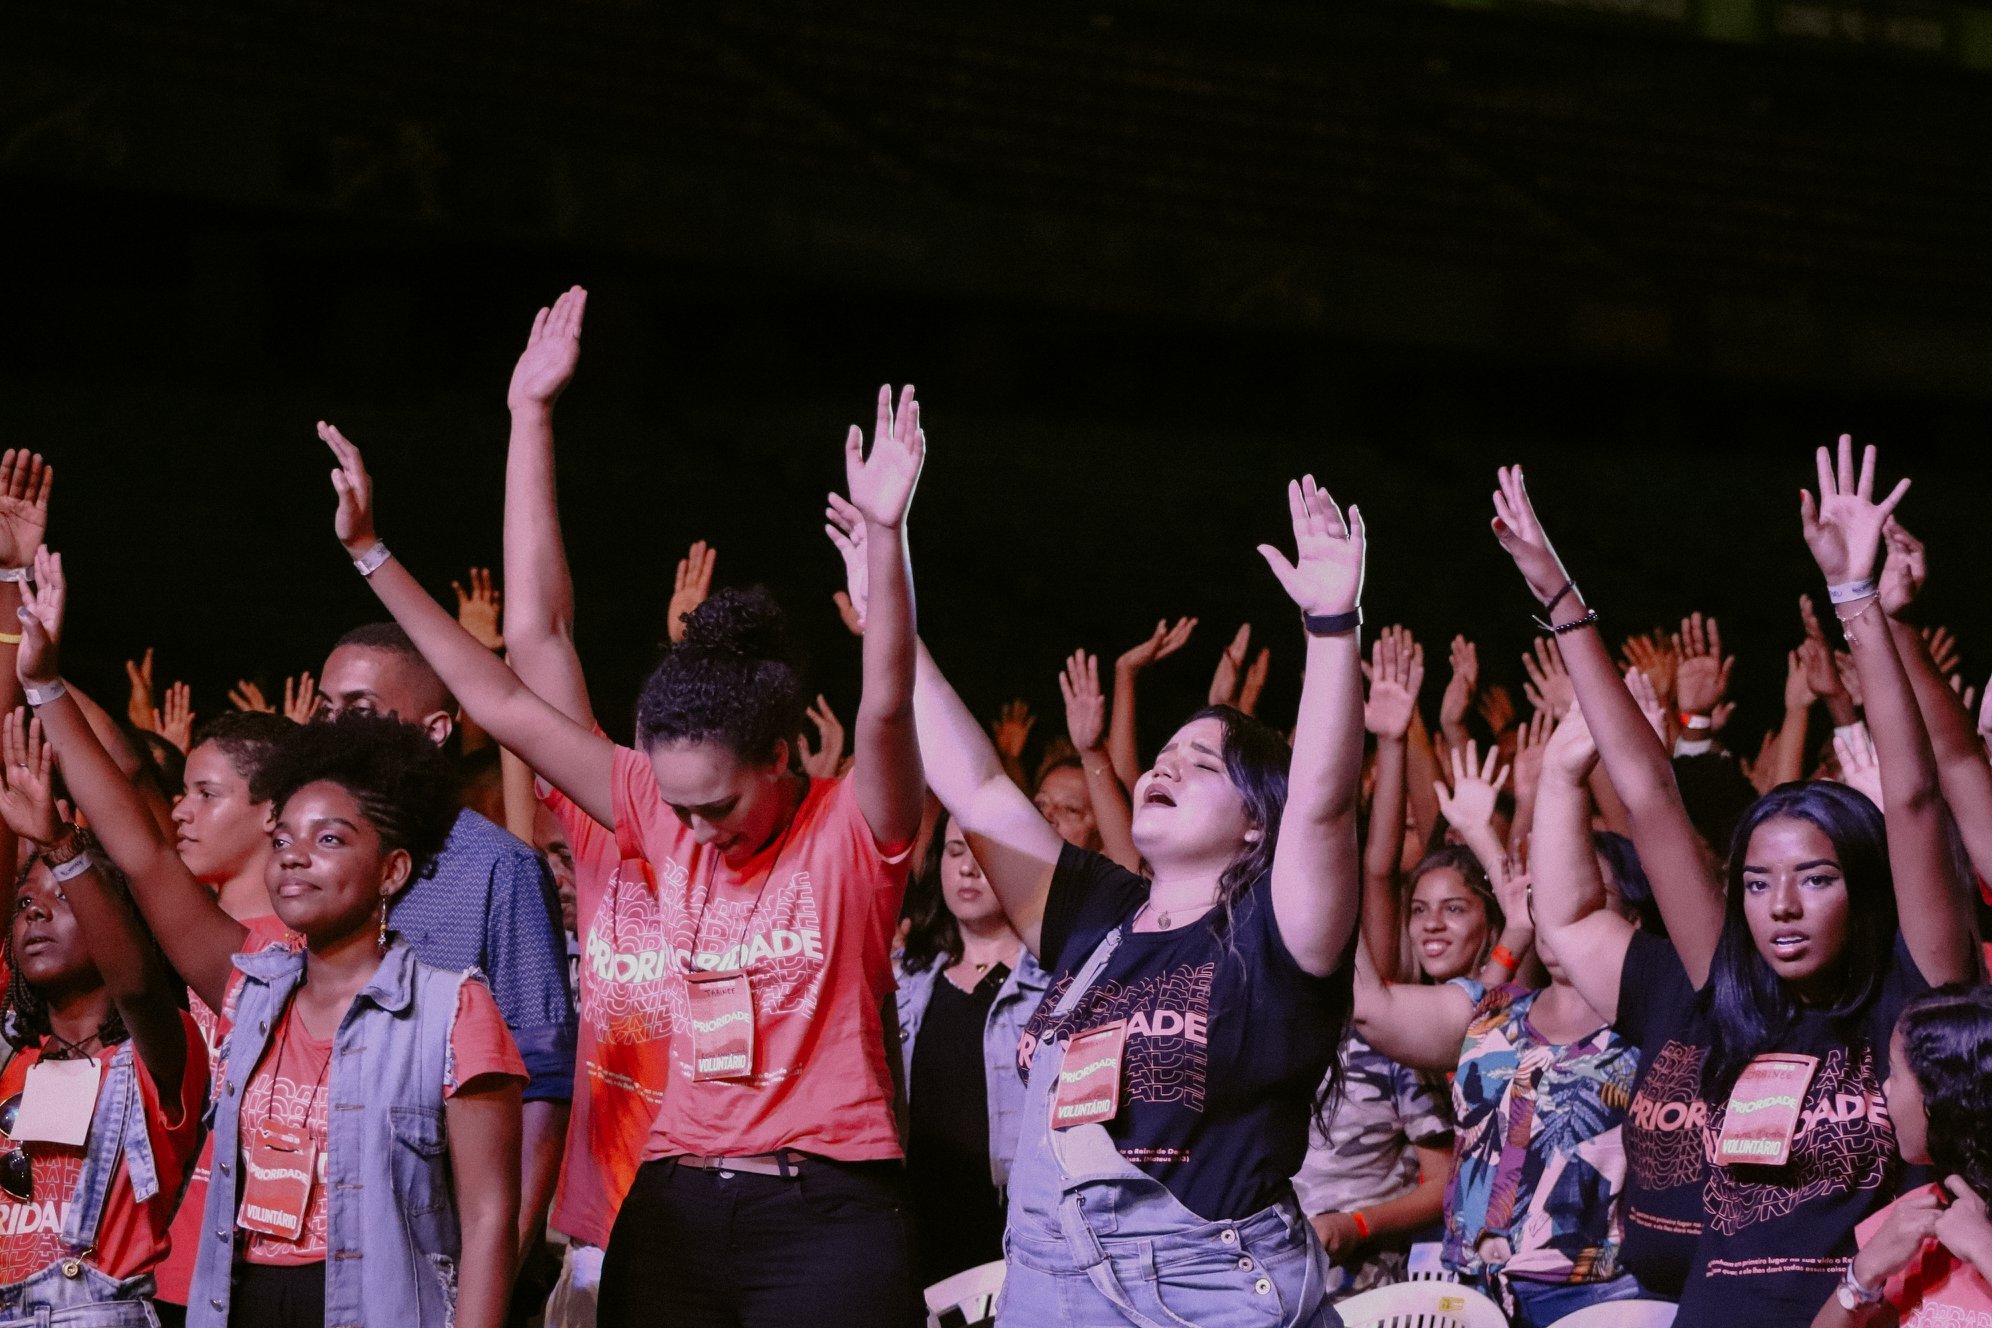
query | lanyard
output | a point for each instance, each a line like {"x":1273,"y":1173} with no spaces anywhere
{"x":712,"y":870}
{"x":277,"y":1072}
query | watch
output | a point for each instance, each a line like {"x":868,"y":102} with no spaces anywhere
{"x":1854,"y":1296}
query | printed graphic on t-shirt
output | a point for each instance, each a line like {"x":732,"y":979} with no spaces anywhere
{"x":295,"y":1097}
{"x":1666,"y":1139}
{"x":627,"y":997}
{"x":1168,"y":1018}
{"x":777,"y":940}
{"x":1845,"y":1143}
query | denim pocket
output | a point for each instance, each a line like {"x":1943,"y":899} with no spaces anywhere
{"x":421,"y":1172}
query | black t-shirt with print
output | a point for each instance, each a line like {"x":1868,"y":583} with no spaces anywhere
{"x":1226,"y":1045}
{"x":1750,"y":1245}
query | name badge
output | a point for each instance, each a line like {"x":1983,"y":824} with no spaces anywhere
{"x":1762,"y":1117}
{"x":57,"y":1102}
{"x":1089,"y":1079}
{"x":276,"y":1185}
{"x":722,"y":1010}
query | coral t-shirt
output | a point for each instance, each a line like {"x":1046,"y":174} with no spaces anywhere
{"x":623,"y":1049}
{"x":131,"y":1236}
{"x":292,"y":1083}
{"x":810,"y":920}
{"x":1937,"y":1289}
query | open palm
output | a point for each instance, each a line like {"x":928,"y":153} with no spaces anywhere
{"x":1326,"y":575}
{"x":882,"y":483}
{"x":1843,"y":525}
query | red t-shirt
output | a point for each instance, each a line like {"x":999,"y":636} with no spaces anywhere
{"x":810,"y":922}
{"x":175,"y":1274}
{"x":131,"y":1237}
{"x":622,"y":1050}
{"x":1937,"y":1289}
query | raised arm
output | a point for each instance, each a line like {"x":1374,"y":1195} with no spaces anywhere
{"x":1121,"y":747}
{"x":1843,"y":531}
{"x":539,"y":598}
{"x":25,"y":484}
{"x":118,"y":945}
{"x":1016,"y":847}
{"x":1640,"y":768}
{"x":1396,"y":672}
{"x":887,"y":777}
{"x":1085,"y":717}
{"x":1569,"y":897}
{"x":1317,"y":872}
{"x":199,"y":939}
{"x":1419,"y":1026}
{"x":571,"y":756}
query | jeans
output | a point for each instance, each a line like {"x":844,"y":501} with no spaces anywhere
{"x":1539,"y":1304}
{"x":829,"y":1246}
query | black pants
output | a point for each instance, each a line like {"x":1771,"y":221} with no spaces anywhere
{"x":273,"y":1296}
{"x":829,"y":1247}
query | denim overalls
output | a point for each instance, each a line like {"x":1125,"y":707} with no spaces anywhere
{"x":71,"y":1293}
{"x":1095,"y":1242}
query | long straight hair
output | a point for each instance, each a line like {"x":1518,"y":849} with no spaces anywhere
{"x":1752,"y":1008}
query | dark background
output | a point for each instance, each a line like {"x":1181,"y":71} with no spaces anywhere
{"x":1144,"y":261}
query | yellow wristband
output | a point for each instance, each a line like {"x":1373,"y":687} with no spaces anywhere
{"x":10,"y":638}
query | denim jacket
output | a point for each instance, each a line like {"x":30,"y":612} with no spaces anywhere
{"x":392,"y":1238}
{"x":1016,"y":1000}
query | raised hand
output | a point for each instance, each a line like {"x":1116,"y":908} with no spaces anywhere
{"x":478,"y":609}
{"x":353,"y":521}
{"x":1255,"y":681}
{"x":25,"y":481}
{"x":1396,"y":672}
{"x":691,"y":586}
{"x":176,"y":720}
{"x":1842,"y":526}
{"x":1860,"y":768}
{"x":1469,"y":803}
{"x":1654,"y":655}
{"x":1085,"y":707}
{"x":300,"y":698}
{"x":552,"y":350}
{"x":1703,"y":679}
{"x":1548,"y":687}
{"x":43,"y":600}
{"x":1515,"y":525}
{"x":1943,"y":648}
{"x":1327,"y":576}
{"x":1230,"y":665}
{"x":1647,"y":698}
{"x":1798,"y":692}
{"x":827,"y":757}
{"x":1531,"y":743}
{"x":1460,"y":690}
{"x":845,"y":525}
{"x":1012,"y":729}
{"x":1164,"y":642}
{"x":246,"y":695}
{"x":27,"y":797}
{"x":1572,"y":752}
{"x":141,"y":709}
{"x":1496,"y":705}
{"x":882,"y":484}
{"x":1902,"y":576}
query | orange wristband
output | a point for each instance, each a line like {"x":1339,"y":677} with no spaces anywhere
{"x":1362,"y":1225}
{"x":1505,"y":957}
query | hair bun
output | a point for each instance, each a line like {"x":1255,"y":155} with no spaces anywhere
{"x":747,"y":623}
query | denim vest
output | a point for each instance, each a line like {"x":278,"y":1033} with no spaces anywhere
{"x":71,"y":1292}
{"x":391,"y":1238}
{"x":1016,"y":1001}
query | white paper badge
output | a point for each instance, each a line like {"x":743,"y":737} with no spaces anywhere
{"x":57,"y":1102}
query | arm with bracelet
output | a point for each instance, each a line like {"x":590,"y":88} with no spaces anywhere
{"x":1641,"y":770}
{"x":1085,"y":723}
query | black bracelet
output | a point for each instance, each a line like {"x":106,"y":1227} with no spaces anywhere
{"x":1332,"y":624}
{"x":1557,"y":598}
{"x":1590,"y":619}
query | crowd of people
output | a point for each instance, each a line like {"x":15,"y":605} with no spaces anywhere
{"x":416,"y":998}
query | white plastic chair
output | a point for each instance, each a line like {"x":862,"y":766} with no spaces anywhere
{"x":1621,"y":1314}
{"x":1421,"y":1305}
{"x":1425,"y":1265}
{"x":966,"y":1299}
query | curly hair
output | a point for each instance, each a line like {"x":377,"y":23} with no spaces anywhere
{"x":1947,"y":1040}
{"x":400,"y":779}
{"x":731,"y":680}
{"x":25,"y":1022}
{"x":246,"y":737}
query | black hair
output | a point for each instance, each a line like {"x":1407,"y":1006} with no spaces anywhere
{"x":1634,"y":890}
{"x":1752,"y":1008}
{"x":392,"y":639}
{"x":933,"y":933}
{"x":25,"y":1021}
{"x":732,"y":680}
{"x":399,"y":778}
{"x":1947,"y":1040}
{"x":1717,"y":795}
{"x":246,"y":737}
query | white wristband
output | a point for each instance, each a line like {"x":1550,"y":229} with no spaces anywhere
{"x":17,"y":573}
{"x":1849,"y":591}
{"x":41,"y":696}
{"x":370,"y":561}
{"x":75,"y":867}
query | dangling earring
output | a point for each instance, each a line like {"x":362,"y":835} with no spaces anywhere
{"x":383,"y":922}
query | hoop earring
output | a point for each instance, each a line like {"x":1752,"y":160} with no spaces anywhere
{"x":383,"y":922}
